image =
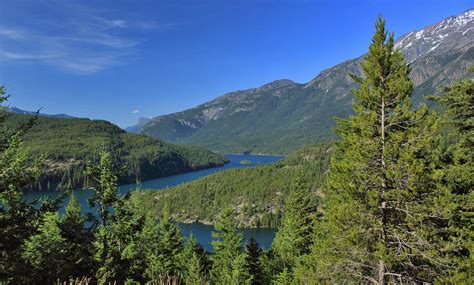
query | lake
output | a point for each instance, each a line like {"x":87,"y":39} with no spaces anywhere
{"x":201,"y":232}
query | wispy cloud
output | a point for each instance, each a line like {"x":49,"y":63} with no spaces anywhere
{"x":76,"y":38}
{"x":135,"y":112}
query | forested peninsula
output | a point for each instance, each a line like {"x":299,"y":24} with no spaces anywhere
{"x":67,"y":144}
{"x":256,"y":195}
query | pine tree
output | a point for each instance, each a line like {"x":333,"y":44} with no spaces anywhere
{"x":119,"y":227}
{"x":78,"y":261}
{"x":253,"y":263}
{"x":46,"y":251}
{"x":377,"y":225}
{"x":193,"y":263}
{"x":18,"y":218}
{"x":294,"y":237}
{"x":228,"y":260}
{"x":165,"y":257}
{"x":104,"y":182}
{"x":455,"y":179}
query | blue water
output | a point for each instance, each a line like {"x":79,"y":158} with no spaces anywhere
{"x":201,"y":232}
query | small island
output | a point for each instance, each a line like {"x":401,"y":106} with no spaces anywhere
{"x":246,"y":161}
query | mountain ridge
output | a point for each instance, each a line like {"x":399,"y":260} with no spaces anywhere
{"x":24,"y":112}
{"x":282,"y":115}
{"x":68,"y":144}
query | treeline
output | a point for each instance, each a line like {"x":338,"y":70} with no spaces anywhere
{"x":67,"y":144}
{"x":114,"y":244}
{"x":256,"y":194}
{"x":396,"y":206}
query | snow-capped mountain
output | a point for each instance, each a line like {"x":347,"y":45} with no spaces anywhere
{"x":452,"y":33}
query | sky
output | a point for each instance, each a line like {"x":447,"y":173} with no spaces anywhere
{"x":120,"y":60}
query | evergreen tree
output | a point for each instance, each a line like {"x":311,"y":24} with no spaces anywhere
{"x":253,"y":263}
{"x":294,"y":237}
{"x":115,"y":245}
{"x":119,"y":226}
{"x":193,"y":263}
{"x":228,"y":260}
{"x":380,"y":190}
{"x":285,"y":277}
{"x":455,"y":180}
{"x":46,"y":251}
{"x":165,"y":258}
{"x":78,"y":260}
{"x":104,"y":182}
{"x":18,"y":218}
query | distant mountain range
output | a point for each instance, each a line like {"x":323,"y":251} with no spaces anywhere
{"x":283,"y":115}
{"x":23,"y":112}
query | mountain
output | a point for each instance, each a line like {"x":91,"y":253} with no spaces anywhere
{"x":69,"y":143}
{"x":138,"y":126}
{"x":283,"y":115}
{"x":23,"y":112}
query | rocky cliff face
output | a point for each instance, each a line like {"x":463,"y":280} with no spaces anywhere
{"x":283,"y":115}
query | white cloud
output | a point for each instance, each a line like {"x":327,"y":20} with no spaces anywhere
{"x":79,"y":40}
{"x":135,"y":112}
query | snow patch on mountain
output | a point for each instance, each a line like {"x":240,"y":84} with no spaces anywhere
{"x":445,"y":35}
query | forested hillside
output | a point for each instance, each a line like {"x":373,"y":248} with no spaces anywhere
{"x":256,"y":195}
{"x":69,"y":143}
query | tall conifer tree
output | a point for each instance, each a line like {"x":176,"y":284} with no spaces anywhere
{"x":228,"y":260}
{"x":165,"y":259}
{"x":18,"y":218}
{"x":380,"y":190}
{"x":294,"y":237}
{"x":78,"y":260}
{"x":253,"y":262}
{"x":455,"y":180}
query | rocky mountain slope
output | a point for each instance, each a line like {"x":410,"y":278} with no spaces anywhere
{"x":283,"y":115}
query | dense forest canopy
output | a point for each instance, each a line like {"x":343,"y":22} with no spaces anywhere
{"x":256,"y":194}
{"x":68,"y":143}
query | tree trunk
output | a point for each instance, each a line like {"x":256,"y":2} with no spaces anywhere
{"x":382,"y":202}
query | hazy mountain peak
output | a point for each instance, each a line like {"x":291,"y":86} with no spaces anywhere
{"x":23,"y":112}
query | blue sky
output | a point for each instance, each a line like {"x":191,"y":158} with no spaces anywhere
{"x":124,"y":59}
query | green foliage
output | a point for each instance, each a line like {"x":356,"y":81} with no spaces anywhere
{"x":256,"y":194}
{"x":119,"y":226}
{"x":166,"y":258}
{"x":18,"y":219}
{"x":294,"y":237}
{"x":228,"y":260}
{"x":70,"y":143}
{"x":195,"y":263}
{"x":455,"y":180}
{"x":78,"y":260}
{"x":253,"y":262}
{"x":47,"y":250}
{"x":379,"y":220}
{"x":104,"y":182}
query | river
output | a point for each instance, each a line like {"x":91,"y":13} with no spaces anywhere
{"x":201,"y":232}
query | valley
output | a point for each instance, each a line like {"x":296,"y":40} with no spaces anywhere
{"x":363,"y":174}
